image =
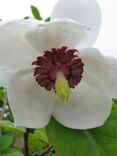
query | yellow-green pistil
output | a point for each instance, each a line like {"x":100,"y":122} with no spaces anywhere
{"x":62,"y":88}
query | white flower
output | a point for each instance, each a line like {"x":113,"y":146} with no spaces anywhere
{"x":89,"y":103}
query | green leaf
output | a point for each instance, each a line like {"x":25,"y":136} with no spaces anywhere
{"x":27,"y":17}
{"x":2,"y":93}
{"x":36,"y":13}
{"x":9,"y":127}
{"x":41,"y":133}
{"x":12,"y":152}
{"x":48,"y":19}
{"x":5,"y":142}
{"x":37,"y":141}
{"x":115,"y":101}
{"x":100,"y":141}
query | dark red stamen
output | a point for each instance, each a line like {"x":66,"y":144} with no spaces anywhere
{"x":62,"y":60}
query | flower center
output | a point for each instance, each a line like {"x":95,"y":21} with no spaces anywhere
{"x":57,"y":68}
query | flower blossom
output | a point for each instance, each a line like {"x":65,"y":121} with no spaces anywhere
{"x":49,"y":71}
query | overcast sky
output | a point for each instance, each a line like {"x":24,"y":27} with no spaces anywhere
{"x":107,"y":40}
{"x":14,"y":9}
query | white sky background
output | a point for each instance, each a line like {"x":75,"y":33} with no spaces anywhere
{"x":107,"y":40}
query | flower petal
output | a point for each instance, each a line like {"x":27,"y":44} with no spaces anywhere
{"x":4,"y":77}
{"x":82,"y":11}
{"x":56,"y":34}
{"x":15,"y":53}
{"x":20,"y":27}
{"x":111,"y":79}
{"x":31,"y":105}
{"x":87,"y":108}
{"x":102,"y":68}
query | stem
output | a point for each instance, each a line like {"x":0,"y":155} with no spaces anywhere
{"x":46,"y":151}
{"x":26,"y":135}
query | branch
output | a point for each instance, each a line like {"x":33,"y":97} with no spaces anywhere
{"x":26,"y":135}
{"x":48,"y":150}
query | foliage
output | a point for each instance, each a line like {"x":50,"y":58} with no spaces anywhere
{"x":37,"y":141}
{"x":9,"y":127}
{"x":5,"y":147}
{"x":11,"y":152}
{"x":5,"y":142}
{"x":99,"y":141}
{"x":48,"y":19}
{"x":36,"y":13}
{"x":2,"y":93}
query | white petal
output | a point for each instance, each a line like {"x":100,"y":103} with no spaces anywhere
{"x":83,"y":11}
{"x":95,"y":69}
{"x":102,"y":68}
{"x":20,"y":27}
{"x":112,"y":76}
{"x":31,"y":105}
{"x":56,"y":34}
{"x":2,"y":22}
{"x":15,"y":53}
{"x":87,"y":108}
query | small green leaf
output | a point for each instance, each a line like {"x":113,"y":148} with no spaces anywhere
{"x":100,"y":141}
{"x":48,"y":19}
{"x":2,"y":94}
{"x":9,"y":127}
{"x":36,"y":13}
{"x":115,"y":101}
{"x":42,"y":134}
{"x":12,"y":152}
{"x":37,"y":141}
{"x":27,"y":17}
{"x":5,"y":142}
